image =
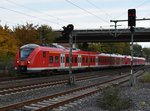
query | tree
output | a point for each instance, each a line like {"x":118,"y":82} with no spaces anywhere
{"x":116,"y":48}
{"x":84,"y":46}
{"x":46,"y":34}
{"x":146,"y":53}
{"x":97,"y":47}
{"x":137,"y":50}
{"x":126,"y":49}
{"x":8,"y":46}
{"x":26,"y":34}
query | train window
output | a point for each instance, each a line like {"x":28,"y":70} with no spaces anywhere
{"x":51,"y":59}
{"x":106,"y":59}
{"x":44,"y":54}
{"x":99,"y":60}
{"x":72,"y":59}
{"x":91,"y":60}
{"x":75,"y":60}
{"x":25,"y":52}
{"x":83,"y":59}
{"x":86,"y":59}
{"x":56,"y":59}
{"x":67,"y":59}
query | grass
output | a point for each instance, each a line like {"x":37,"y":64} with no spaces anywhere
{"x":111,"y":100}
{"x":146,"y":77}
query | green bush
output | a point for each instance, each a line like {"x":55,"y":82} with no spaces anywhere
{"x":9,"y":71}
{"x":146,"y":77}
{"x":111,"y":100}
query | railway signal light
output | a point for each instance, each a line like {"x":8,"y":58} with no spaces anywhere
{"x":131,"y":17}
{"x":64,"y":32}
{"x":67,"y":30}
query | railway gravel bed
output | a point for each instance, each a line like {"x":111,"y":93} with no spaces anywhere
{"x":140,"y":97}
{"x":27,"y":81}
{"x":5,"y":100}
{"x":80,"y":102}
{"x":10,"y":99}
{"x":30,"y":81}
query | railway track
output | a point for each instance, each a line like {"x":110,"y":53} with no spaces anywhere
{"x":3,"y":79}
{"x":44,"y":82}
{"x":25,"y":88}
{"x":67,"y":98}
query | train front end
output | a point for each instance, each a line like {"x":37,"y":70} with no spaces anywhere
{"x":23,"y":57}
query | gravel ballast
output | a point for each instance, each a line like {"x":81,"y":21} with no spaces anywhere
{"x":139,"y":94}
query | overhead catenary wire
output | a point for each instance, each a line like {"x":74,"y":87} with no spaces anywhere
{"x":91,"y":3}
{"x":87,"y":11}
{"x":58,"y":21}
{"x":99,"y":8}
{"x":35,"y":10}
{"x":142,"y":4}
{"x":133,"y":8}
{"x":20,"y":5}
{"x":29,"y":15}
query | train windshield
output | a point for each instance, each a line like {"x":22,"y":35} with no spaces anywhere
{"x":26,"y":50}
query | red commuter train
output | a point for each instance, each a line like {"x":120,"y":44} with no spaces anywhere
{"x":36,"y":58}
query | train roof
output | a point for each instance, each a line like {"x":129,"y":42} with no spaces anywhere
{"x":103,"y":54}
{"x":56,"y":47}
{"x":30,"y":46}
{"x":139,"y":58}
{"x":112,"y":55}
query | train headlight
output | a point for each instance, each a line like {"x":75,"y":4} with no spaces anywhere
{"x":17,"y":61}
{"x":28,"y":62}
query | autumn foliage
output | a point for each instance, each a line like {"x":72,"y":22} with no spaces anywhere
{"x":8,"y":43}
{"x":12,"y":39}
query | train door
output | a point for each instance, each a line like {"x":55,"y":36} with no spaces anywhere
{"x":79,"y":60}
{"x":62,"y":61}
{"x":44,"y":59}
{"x":96,"y":60}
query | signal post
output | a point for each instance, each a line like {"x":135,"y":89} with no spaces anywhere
{"x":132,"y":24}
{"x":68,"y":33}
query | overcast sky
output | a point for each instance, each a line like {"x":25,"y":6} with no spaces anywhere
{"x":83,"y":14}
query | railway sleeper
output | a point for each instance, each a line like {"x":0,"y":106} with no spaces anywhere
{"x":70,"y":96}
{"x":30,"y":108}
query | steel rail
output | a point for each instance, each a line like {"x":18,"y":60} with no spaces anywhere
{"x":17,"y":105}
{"x":40,"y":85}
{"x":101,"y":85}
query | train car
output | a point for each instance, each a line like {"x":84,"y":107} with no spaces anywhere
{"x":138,"y":61}
{"x":36,"y":58}
{"x":105,"y":60}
